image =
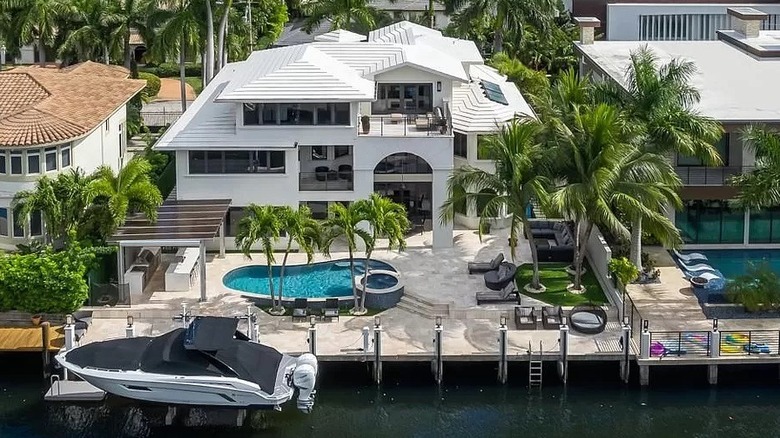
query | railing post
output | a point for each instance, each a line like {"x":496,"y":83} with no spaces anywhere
{"x":381,"y":126}
{"x":377,"y":350}
{"x":644,"y":341}
{"x":750,"y":343}
{"x":438,"y":362}
{"x":312,"y":335}
{"x":626,"y":365}
{"x":130,"y":329}
{"x":564,"y":360}
{"x":502,"y":350}
{"x":715,"y":340}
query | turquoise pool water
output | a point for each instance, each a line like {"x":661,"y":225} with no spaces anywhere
{"x":317,"y":280}
{"x":734,"y":262}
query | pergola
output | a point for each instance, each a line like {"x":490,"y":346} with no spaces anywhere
{"x":179,"y":223}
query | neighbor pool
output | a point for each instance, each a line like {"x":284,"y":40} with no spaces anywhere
{"x":316,"y":280}
{"x":734,"y":262}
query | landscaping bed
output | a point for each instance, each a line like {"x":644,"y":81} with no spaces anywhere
{"x":554,"y":277}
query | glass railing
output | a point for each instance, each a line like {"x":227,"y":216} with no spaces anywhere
{"x":709,"y":176}
{"x":403,"y":125}
{"x":326,"y":180}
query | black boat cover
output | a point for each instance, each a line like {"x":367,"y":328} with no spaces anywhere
{"x":209,"y":333}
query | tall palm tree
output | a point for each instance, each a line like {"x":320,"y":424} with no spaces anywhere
{"x":387,"y":220}
{"x":36,"y":22}
{"x":261,"y":224}
{"x":507,"y":16}
{"x":301,"y":229}
{"x":227,"y":8}
{"x":136,"y":15}
{"x":344,"y":223}
{"x":760,"y":188}
{"x":129,"y":190}
{"x":522,"y":175}
{"x":659,"y":99}
{"x":95,"y":27}
{"x":357,"y":15}
{"x":208,"y":62}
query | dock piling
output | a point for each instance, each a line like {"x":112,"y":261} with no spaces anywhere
{"x":45,"y":338}
{"x":377,"y":350}
{"x":502,"y":350}
{"x":712,"y":374}
{"x":625,"y":364}
{"x":438,"y":364}
{"x":644,"y":341}
{"x":366,"y":343}
{"x":715,"y":340}
{"x":170,"y":416}
{"x":312,"y":335}
{"x":130,"y":329}
{"x":563,"y":364}
{"x":70,"y":333}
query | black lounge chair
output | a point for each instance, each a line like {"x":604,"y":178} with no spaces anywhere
{"x":552,"y":317}
{"x":501,"y":277}
{"x":525,"y":318}
{"x":480,"y":267}
{"x":331,"y":309}
{"x":300,"y":309}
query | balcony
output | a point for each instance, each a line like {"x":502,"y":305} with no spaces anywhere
{"x":403,"y":125}
{"x":709,"y":176}
{"x":326,"y":179}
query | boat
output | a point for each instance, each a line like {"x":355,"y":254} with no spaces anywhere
{"x":208,"y":363}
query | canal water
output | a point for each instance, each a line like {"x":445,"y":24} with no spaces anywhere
{"x":470,"y":404}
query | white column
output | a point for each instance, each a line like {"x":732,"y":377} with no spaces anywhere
{"x":222,"y":240}
{"x":120,"y":264}
{"x":746,"y":231}
{"x":442,"y":233}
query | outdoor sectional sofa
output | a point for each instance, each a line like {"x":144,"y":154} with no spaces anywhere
{"x":554,"y":240}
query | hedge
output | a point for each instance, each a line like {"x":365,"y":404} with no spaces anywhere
{"x":45,"y":282}
{"x":152,"y":84}
{"x":170,"y":70}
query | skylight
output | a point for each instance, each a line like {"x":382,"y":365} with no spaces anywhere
{"x":493,"y":92}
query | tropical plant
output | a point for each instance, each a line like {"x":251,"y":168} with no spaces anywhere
{"x":760,"y":188}
{"x":658,"y":100}
{"x":758,"y":289}
{"x":343,"y":222}
{"x":531,"y":81}
{"x":626,"y":272}
{"x":388,"y":220}
{"x":506,"y":16}
{"x":301,"y":229}
{"x":355,"y":15}
{"x":123,"y":192}
{"x":261,"y":224}
{"x":521,"y":175}
{"x":92,"y":29}
{"x":35,"y":21}
{"x":136,"y":15}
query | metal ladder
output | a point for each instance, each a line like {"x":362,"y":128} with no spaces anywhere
{"x":534,"y":367}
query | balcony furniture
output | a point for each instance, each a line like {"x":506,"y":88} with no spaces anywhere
{"x":554,"y":241}
{"x":396,"y":118}
{"x":321,"y":173}
{"x":300,"y":308}
{"x":136,"y":278}
{"x":502,"y":277}
{"x":481,"y":267}
{"x":333,"y":175}
{"x":552,"y":317}
{"x":688,"y":258}
{"x":180,"y":275}
{"x":331,"y":309}
{"x":345,"y":172}
{"x":525,"y":318}
{"x":422,"y":122}
{"x":588,"y":319}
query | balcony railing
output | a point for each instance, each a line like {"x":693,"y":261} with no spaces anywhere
{"x":709,"y":176}
{"x":326,"y":180}
{"x":403,"y":125}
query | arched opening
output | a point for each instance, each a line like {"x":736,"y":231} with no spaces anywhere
{"x":138,"y":54}
{"x":407,"y":179}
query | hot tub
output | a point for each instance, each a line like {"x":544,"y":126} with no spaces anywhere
{"x":384,"y":289}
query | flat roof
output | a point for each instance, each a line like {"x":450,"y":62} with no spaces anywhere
{"x":735,"y":86}
{"x":176,"y":220}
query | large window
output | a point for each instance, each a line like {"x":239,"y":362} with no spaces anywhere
{"x":765,"y":225}
{"x":33,"y":162}
{"x":296,"y":114}
{"x":461,"y":148}
{"x":319,"y":209}
{"x":711,"y":221}
{"x":722,"y":147}
{"x":236,"y":162}
{"x":3,"y":164}
{"x":482,"y":149}
{"x":36,"y":224}
{"x":50,"y":157}
{"x":16,"y":162}
{"x":3,"y":221}
{"x":65,"y":153}
{"x":402,"y":163}
{"x":18,"y":225}
{"x":404,"y":98}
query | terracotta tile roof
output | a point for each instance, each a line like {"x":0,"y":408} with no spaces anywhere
{"x":43,"y":106}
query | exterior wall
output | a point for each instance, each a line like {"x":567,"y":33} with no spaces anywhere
{"x":623,"y":21}
{"x":599,"y":254}
{"x":412,"y":75}
{"x":441,"y":20}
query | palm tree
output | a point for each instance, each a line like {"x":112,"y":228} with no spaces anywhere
{"x":129,"y":190}
{"x":138,"y":15}
{"x":522,"y":170}
{"x":507,"y":16}
{"x":760,"y":188}
{"x":261,"y":224}
{"x":96,"y":22}
{"x":343,"y":222}
{"x":301,"y":229}
{"x":357,"y":15}
{"x":222,"y":33}
{"x":36,"y":22}
{"x":658,"y":100}
{"x":387,"y":220}
{"x":208,"y":62}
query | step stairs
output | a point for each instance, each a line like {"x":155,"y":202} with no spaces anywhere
{"x":420,"y":306}
{"x":534,"y":368}
{"x":537,"y":210}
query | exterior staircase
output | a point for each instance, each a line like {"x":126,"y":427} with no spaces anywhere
{"x":420,"y":306}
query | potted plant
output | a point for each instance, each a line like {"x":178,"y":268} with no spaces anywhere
{"x":365,"y":123}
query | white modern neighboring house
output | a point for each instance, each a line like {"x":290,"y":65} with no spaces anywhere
{"x":52,"y":121}
{"x":337,"y":119}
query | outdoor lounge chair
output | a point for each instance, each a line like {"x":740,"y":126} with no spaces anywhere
{"x":501,"y":277}
{"x":300,"y":309}
{"x":507,"y":295}
{"x":696,"y":267}
{"x":689,"y":258}
{"x":331,"y":309}
{"x":480,"y":267}
{"x":525,"y":318}
{"x":552,"y":317}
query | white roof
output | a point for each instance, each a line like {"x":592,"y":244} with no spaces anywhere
{"x":472,"y":111}
{"x":406,"y":5}
{"x":410,"y":34}
{"x":734,"y":86}
{"x":340,"y":36}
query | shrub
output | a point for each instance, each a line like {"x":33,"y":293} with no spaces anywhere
{"x":758,"y":289}
{"x":528,"y":80}
{"x":46,"y":282}
{"x":152,"y":84}
{"x":170,"y":69}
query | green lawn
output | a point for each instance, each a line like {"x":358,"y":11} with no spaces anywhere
{"x":555,"y":278}
{"x":195,"y":82}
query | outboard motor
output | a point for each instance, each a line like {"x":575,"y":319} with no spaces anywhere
{"x":304,"y":378}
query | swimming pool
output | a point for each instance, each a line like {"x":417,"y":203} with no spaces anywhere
{"x":316,"y":280}
{"x":734,"y":262}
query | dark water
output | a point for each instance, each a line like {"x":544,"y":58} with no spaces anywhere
{"x":747,"y":404}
